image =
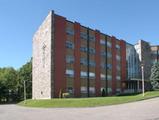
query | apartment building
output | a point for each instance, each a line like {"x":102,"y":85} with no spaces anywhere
{"x":71,"y":58}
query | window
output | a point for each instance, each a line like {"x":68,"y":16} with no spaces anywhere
{"x":109,"y":44}
{"x":69,"y":31}
{"x":103,"y":65}
{"x":83,"y":89}
{"x":92,"y":90}
{"x":117,"y":46}
{"x":118,"y":67}
{"x":70,"y":89}
{"x":154,"y":52}
{"x":109,"y":55}
{"x":109,"y":77}
{"x":102,"y":76}
{"x":102,"y":42}
{"x":83,"y":35}
{"x":109,"y":90}
{"x":91,"y":50}
{"x":109,"y":66}
{"x":92,"y":63}
{"x":69,"y":44}
{"x":103,"y":53}
{"x":118,"y":90}
{"x":83,"y":61}
{"x":69,"y":73}
{"x":92,"y":38}
{"x":83,"y":74}
{"x":118,"y":77}
{"x":69,"y":59}
{"x":91,"y":75}
{"x":117,"y":57}
{"x":83,"y":49}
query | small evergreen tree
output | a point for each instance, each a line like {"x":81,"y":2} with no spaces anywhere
{"x":155,"y":76}
{"x":103,"y":93}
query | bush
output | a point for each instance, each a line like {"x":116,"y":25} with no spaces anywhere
{"x":155,"y":84}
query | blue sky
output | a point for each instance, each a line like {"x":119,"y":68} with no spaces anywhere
{"x":130,"y":20}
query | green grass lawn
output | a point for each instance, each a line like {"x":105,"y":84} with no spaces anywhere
{"x":88,"y":102}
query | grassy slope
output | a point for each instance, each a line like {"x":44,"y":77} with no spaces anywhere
{"x":88,"y":102}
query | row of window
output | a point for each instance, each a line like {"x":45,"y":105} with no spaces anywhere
{"x":109,"y":77}
{"x":103,"y":42}
{"x":108,"y":66}
{"x":83,"y":61}
{"x":103,"y":77}
{"x":83,"y":74}
{"x":72,"y":59}
{"x":70,"y":45}
{"x":84,"y":49}
{"x":84,"y":36}
{"x":92,"y":51}
{"x":91,"y":89}
{"x":103,"y":53}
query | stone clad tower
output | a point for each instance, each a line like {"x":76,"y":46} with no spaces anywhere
{"x":42,"y":59}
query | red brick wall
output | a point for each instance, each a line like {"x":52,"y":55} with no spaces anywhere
{"x":113,"y":39}
{"x":77,"y":69}
{"x":59,"y":57}
{"x":97,"y":59}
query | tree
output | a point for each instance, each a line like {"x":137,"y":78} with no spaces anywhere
{"x":11,"y":82}
{"x":25,"y":73}
{"x":103,"y":92}
{"x":155,"y":76}
{"x":8,"y":84}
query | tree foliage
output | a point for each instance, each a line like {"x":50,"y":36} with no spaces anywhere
{"x":25,"y":74}
{"x":8,"y":83}
{"x":11,"y":82}
{"x":155,"y":76}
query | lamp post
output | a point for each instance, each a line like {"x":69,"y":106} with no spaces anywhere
{"x":24,"y":85}
{"x":24,"y":91}
{"x":143,"y":84}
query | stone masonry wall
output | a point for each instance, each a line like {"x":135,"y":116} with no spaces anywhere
{"x":42,"y":46}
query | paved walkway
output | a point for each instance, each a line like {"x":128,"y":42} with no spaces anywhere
{"x":143,"y":110}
